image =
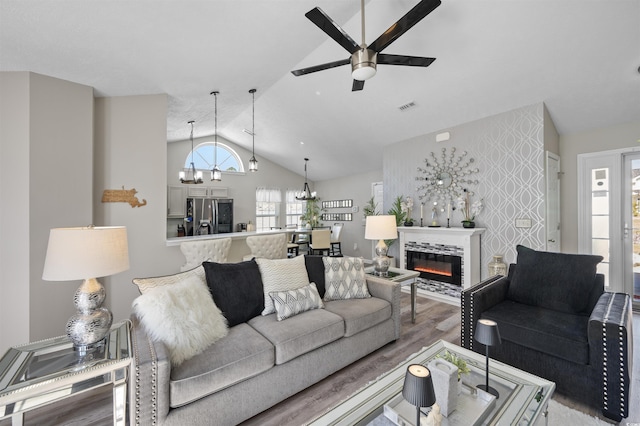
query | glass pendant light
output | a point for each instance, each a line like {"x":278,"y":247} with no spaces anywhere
{"x":195,"y":176}
{"x":306,"y":194}
{"x":253,"y":163}
{"x":216,"y":174}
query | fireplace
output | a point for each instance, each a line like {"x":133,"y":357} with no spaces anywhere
{"x":441,"y":267}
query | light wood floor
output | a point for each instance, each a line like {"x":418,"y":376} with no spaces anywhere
{"x":434,"y":321}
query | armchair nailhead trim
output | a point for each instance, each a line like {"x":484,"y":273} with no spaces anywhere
{"x":605,"y":343}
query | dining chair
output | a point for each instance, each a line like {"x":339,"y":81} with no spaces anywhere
{"x":320,"y":241}
{"x":336,"y":247}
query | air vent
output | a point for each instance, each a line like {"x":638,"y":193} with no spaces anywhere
{"x":407,"y":106}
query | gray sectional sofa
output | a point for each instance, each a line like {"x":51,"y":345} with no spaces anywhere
{"x":260,"y":362}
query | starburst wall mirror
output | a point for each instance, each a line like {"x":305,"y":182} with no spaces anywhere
{"x":445,"y":176}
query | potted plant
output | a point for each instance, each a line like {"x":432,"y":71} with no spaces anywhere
{"x":406,"y":206}
{"x":396,"y":210}
{"x":312,"y":213}
{"x":454,"y":359}
{"x":469,"y":210}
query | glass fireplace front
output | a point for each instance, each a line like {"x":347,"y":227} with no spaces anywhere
{"x":437,"y":267}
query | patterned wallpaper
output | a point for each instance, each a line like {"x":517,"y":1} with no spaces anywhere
{"x":508,"y":149}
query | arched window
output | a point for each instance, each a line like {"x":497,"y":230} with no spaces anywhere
{"x":228,"y":159}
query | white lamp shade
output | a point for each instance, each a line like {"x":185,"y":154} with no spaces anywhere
{"x":381,"y":227}
{"x":88,"y":252}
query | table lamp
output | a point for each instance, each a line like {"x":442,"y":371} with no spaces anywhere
{"x":487,"y":333}
{"x":86,"y":253}
{"x":418,"y":388}
{"x":381,"y":227}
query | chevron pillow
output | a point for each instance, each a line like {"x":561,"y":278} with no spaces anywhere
{"x":292,"y":302}
{"x":344,"y":278}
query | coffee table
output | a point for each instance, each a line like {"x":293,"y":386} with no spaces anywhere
{"x":523,"y":397}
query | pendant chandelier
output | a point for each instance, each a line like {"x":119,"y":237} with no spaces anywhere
{"x":192,"y":176}
{"x":216,"y":174}
{"x":306,"y":194}
{"x":253,"y":163}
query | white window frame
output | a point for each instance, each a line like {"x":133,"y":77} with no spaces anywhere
{"x":222,"y":146}
{"x":268,"y":202}
{"x":294,"y":209}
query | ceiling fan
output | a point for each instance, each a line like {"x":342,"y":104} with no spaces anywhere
{"x":364,"y":59}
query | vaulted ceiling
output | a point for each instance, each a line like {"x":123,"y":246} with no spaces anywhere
{"x":579,"y":57}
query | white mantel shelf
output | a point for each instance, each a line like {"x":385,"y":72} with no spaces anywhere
{"x":467,"y":238}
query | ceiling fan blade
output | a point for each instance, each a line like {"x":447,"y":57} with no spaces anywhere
{"x":357,"y":85}
{"x":309,"y":70}
{"x":411,"y":18}
{"x":411,"y":61}
{"x":333,"y":30}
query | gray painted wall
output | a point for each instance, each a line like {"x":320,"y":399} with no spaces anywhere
{"x":46,"y":182}
{"x":508,"y":150}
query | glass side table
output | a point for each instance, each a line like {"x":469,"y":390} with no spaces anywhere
{"x":404,"y":277}
{"x":37,"y":374}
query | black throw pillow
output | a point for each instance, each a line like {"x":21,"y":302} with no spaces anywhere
{"x":315,"y":271}
{"x":237,"y":289}
{"x":558,"y":281}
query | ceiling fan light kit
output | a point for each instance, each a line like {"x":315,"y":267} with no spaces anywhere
{"x":363,"y":64}
{"x":365,"y":59}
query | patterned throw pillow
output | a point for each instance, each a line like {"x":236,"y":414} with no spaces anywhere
{"x":293,"y":302}
{"x":146,"y":284}
{"x":281,"y":275}
{"x":344,"y":278}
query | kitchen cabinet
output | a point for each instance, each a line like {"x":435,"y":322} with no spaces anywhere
{"x":208,"y":191}
{"x":176,"y":201}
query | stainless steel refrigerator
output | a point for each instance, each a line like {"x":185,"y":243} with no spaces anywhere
{"x":209,"y":216}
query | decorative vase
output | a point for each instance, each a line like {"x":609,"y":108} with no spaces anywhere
{"x":468,"y":224}
{"x":408,"y":223}
{"x":497,"y":266}
{"x":445,"y":384}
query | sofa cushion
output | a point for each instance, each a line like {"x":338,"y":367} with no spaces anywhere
{"x":146,"y":284}
{"x":182,"y":316}
{"x":315,"y":271}
{"x":555,"y":333}
{"x":236,"y":288}
{"x":345,"y":278}
{"x":242,"y":354}
{"x":301,"y":334}
{"x":292,"y":302}
{"x":559,"y":281}
{"x":360,"y":314}
{"x":281,"y":275}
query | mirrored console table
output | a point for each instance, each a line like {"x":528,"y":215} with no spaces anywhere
{"x":38,"y":376}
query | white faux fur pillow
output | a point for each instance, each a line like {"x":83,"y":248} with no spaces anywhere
{"x":183,"y":316}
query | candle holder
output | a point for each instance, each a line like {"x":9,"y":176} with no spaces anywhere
{"x":421,"y":225}
{"x":448,"y":226}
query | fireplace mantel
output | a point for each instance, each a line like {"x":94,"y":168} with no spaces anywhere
{"x":466,"y":238}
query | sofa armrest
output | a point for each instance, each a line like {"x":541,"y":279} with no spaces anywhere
{"x":389,"y":291}
{"x":152,"y":370}
{"x":611,"y":351}
{"x":477,"y":299}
